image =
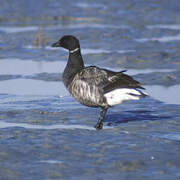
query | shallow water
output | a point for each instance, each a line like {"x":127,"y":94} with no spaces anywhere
{"x":165,"y":94}
{"x":46,"y":134}
{"x":161,"y":39}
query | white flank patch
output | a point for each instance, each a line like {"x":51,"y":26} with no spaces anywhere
{"x":117,"y":96}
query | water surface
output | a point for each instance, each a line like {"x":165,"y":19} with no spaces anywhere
{"x":46,"y":134}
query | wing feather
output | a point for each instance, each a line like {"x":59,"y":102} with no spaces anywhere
{"x":106,"y":79}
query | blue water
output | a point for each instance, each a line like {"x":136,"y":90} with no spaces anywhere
{"x":45,"y":134}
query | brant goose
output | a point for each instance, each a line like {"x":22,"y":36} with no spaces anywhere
{"x":94,"y":86}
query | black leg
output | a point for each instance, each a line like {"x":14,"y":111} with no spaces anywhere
{"x":99,"y":124}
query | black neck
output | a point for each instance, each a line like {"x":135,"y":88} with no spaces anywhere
{"x":74,"y":65}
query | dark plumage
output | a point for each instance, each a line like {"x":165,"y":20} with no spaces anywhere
{"x":93,"y":86}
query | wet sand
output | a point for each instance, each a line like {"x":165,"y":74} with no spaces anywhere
{"x":46,"y":134}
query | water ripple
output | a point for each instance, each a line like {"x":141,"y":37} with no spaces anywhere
{"x":4,"y":124}
{"x":165,"y":26}
{"x":160,"y":39}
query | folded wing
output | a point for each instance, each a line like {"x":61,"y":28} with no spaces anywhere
{"x":108,"y":80}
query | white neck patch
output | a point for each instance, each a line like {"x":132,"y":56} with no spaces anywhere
{"x":72,"y":51}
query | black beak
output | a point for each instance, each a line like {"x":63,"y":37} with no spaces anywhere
{"x":56,"y":44}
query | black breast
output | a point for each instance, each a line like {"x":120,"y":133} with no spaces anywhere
{"x":91,"y":83}
{"x":87,"y":87}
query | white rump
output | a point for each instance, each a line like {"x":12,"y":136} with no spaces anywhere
{"x":118,"y":96}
